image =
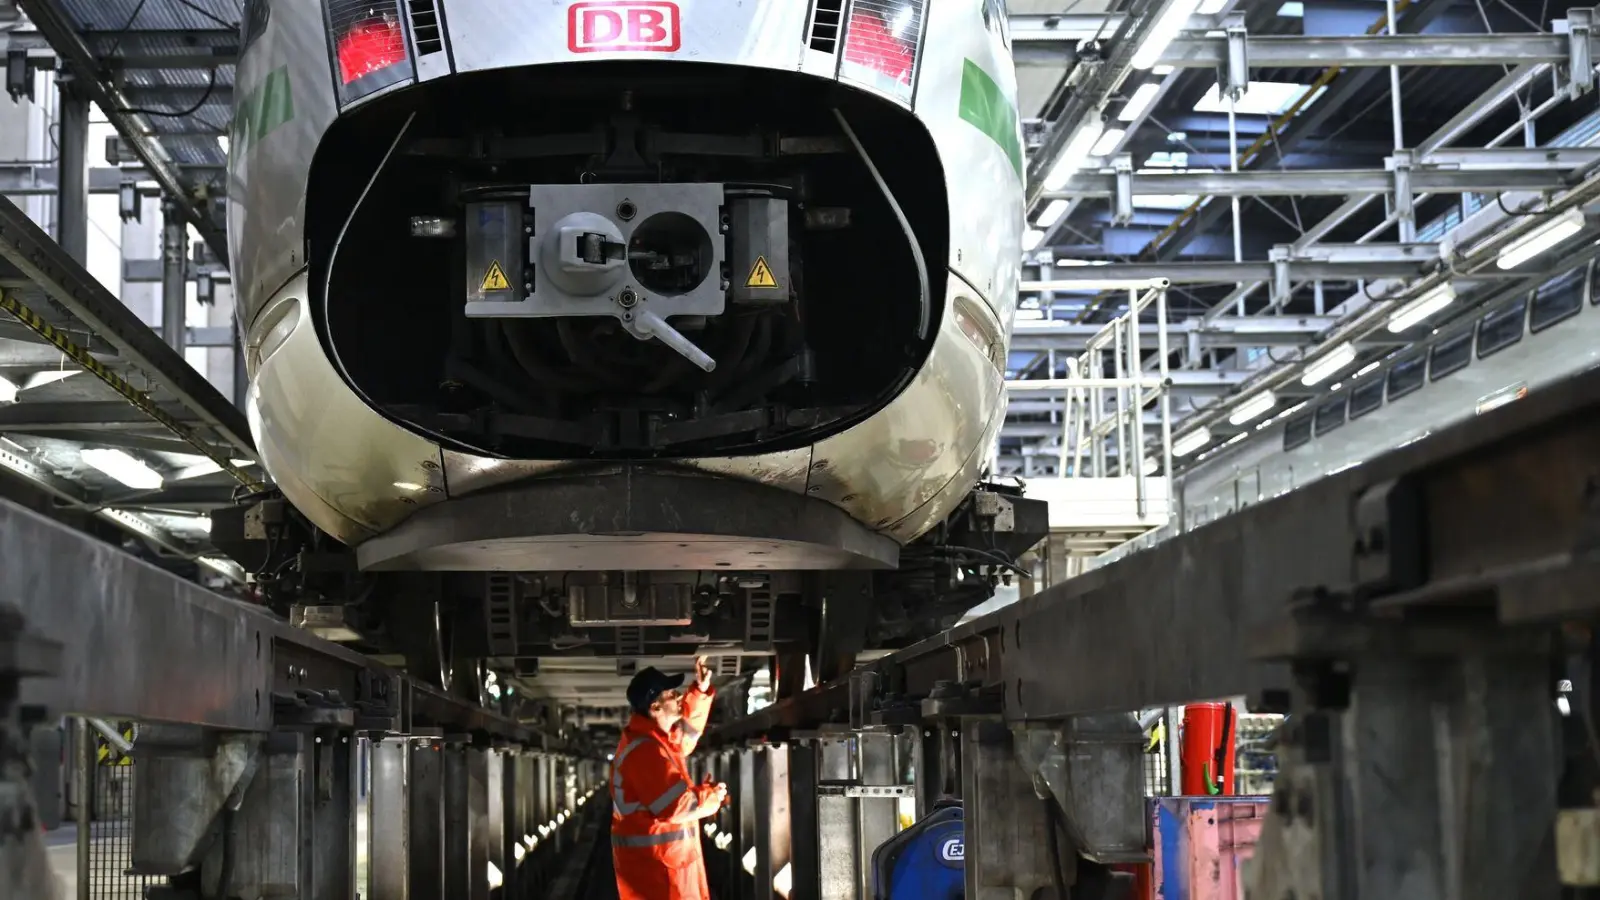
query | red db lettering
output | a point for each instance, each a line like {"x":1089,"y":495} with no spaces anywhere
{"x":611,"y":26}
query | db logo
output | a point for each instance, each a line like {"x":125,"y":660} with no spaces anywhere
{"x":611,"y":25}
{"x":952,"y":850}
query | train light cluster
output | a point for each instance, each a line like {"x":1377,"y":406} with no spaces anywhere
{"x":368,"y":44}
{"x":880,"y":44}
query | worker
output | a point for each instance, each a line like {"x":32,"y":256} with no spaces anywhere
{"x":655,"y":805}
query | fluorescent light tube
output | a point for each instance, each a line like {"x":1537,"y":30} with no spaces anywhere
{"x":1167,"y":28}
{"x":1191,"y":442}
{"x":49,"y":376}
{"x":1052,"y":214}
{"x":1108,"y":142}
{"x":1139,"y":102}
{"x":1073,"y":155}
{"x":1550,"y":234}
{"x":1256,"y":406}
{"x":1328,"y":364}
{"x":1031,"y":238}
{"x":122,"y":467}
{"x":8,"y":391}
{"x":1430,"y":302}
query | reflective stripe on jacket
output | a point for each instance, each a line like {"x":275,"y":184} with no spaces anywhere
{"x":655,"y":833}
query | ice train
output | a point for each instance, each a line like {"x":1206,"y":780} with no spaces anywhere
{"x":610,"y":327}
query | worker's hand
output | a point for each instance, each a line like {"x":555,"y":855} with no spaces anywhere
{"x":702,"y":672}
{"x":720,"y":792}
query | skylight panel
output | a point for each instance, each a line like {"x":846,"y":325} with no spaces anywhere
{"x":1261,"y":98}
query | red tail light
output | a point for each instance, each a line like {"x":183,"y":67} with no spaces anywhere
{"x":368,"y":46}
{"x":881,"y":40}
{"x":870,"y":44}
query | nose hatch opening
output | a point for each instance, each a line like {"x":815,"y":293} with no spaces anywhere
{"x":643,"y":264}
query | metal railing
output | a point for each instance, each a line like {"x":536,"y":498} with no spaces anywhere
{"x":106,"y":773}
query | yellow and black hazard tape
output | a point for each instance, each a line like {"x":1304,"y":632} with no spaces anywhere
{"x":110,"y":756}
{"x":58,"y":339}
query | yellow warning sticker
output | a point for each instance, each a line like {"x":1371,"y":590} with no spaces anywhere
{"x":495,"y":278}
{"x":761,"y":275}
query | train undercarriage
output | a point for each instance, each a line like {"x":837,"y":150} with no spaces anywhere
{"x":464,"y":631}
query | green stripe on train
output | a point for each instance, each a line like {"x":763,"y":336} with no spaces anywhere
{"x":990,"y":112}
{"x":262,"y":110}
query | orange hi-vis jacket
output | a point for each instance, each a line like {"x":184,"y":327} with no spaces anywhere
{"x":655,"y":832}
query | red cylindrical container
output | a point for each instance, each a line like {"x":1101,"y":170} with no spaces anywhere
{"x":1210,"y":734}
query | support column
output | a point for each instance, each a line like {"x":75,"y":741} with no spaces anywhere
{"x":481,"y":838}
{"x":772,"y":826}
{"x":84,"y":769}
{"x":877,"y":763}
{"x":333,"y":819}
{"x":273,"y":829}
{"x":1007,"y":832}
{"x":457,"y":824}
{"x":72,"y":211}
{"x":496,"y":847}
{"x":804,"y":830}
{"x":174,"y":275}
{"x":839,"y":847}
{"x":389,"y":821}
{"x":426,"y":818}
{"x":741,"y":783}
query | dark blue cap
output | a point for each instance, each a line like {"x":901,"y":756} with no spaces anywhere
{"x":648,"y":684}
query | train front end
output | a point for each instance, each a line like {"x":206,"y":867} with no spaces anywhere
{"x":483,"y":244}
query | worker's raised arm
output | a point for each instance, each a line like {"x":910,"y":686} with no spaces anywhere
{"x":696,"y":708}
{"x":696,"y":713}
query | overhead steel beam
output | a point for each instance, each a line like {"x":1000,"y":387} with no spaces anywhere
{"x":52,"y":22}
{"x":1109,"y":276}
{"x":1226,"y":333}
{"x":1055,"y":49}
{"x":1057,"y":29}
{"x":1187,"y":379}
{"x":175,"y":495}
{"x":94,"y":414}
{"x":1039,"y":405}
{"x":1038,"y":430}
{"x":149,"y":271}
{"x":200,"y":49}
{"x":1087,"y":95}
{"x":21,"y":179}
{"x":1308,"y":183}
{"x":12,"y":330}
{"x":1346,"y":85}
{"x":111,"y":438}
{"x":1507,"y":88}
